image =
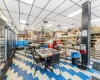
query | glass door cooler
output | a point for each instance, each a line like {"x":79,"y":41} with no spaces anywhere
{"x":7,"y":48}
{"x":2,"y":46}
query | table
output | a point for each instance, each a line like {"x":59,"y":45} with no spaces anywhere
{"x":48,"y":52}
{"x":45,"y":53}
{"x":34,"y":45}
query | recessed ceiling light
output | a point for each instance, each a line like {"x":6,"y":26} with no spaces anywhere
{"x":23,"y":21}
{"x":28,"y":1}
{"x":75,"y":13}
{"x":95,"y":20}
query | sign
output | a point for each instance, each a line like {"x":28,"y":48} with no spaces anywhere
{"x":84,"y":32}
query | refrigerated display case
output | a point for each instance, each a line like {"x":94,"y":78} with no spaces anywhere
{"x":7,"y":48}
{"x":3,"y":56}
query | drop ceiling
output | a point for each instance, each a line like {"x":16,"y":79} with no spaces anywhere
{"x":34,"y":12}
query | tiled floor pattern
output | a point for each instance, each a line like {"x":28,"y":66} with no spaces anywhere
{"x":21,"y":70}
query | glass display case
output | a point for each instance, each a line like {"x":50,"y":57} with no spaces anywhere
{"x":2,"y":47}
{"x":7,"y":47}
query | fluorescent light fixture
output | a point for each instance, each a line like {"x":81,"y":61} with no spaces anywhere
{"x":23,"y":21}
{"x":75,"y":13}
{"x":28,"y":1}
{"x":95,"y":20}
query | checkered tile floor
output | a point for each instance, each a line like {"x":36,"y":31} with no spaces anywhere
{"x":21,"y":70}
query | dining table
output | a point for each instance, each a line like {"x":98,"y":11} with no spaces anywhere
{"x":47,"y":52}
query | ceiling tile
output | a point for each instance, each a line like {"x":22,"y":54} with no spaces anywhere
{"x":64,"y":19}
{"x":10,"y":20}
{"x":23,"y":17}
{"x":78,"y":17}
{"x":35,"y":11}
{"x":2,"y":6}
{"x":97,"y":13}
{"x":5,"y":13}
{"x":53,"y":4}
{"x":37,"y":20}
{"x":40,"y":3}
{"x":44,"y":13}
{"x":24,"y":8}
{"x":93,"y":17}
{"x":39,"y":25}
{"x":32,"y":26}
{"x":64,"y":6}
{"x":95,"y":3}
{"x":51,"y":22}
{"x":31,"y":18}
{"x":12,"y":5}
{"x":14,"y":15}
{"x":96,"y":9}
{"x":58,"y":17}
{"x":71,"y":10}
{"x":51,"y":16}
{"x":16,"y":21}
{"x":68,"y":20}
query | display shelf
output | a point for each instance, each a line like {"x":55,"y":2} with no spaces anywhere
{"x":95,"y":34}
{"x":94,"y":38}
{"x":2,"y":50}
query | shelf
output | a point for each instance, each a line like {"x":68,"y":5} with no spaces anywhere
{"x":93,"y":39}
{"x":95,"y":34}
{"x":73,"y":48}
{"x":93,"y":43}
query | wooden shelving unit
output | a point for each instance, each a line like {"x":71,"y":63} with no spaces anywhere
{"x":94,"y":53}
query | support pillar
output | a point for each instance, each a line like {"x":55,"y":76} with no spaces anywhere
{"x":86,"y":23}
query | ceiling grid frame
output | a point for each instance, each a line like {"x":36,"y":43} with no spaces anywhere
{"x":55,"y":16}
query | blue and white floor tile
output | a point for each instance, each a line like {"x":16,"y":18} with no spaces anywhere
{"x":21,"y":70}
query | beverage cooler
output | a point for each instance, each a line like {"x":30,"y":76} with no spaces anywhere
{"x":7,"y":47}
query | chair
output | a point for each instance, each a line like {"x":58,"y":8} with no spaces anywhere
{"x":38,"y":60}
{"x":55,"y":59}
{"x":28,"y":49}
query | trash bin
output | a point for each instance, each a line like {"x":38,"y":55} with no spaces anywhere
{"x":45,"y":46}
{"x":75,"y":57}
